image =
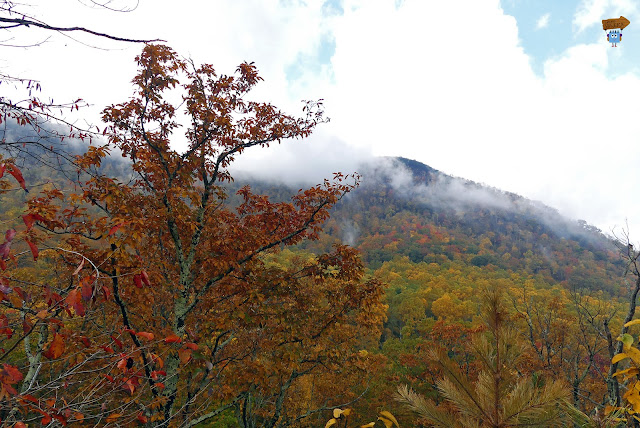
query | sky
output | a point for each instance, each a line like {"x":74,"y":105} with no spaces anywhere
{"x":522,"y":95}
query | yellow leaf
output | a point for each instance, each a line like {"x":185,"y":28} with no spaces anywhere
{"x":631,"y":371}
{"x":346,"y":412}
{"x":337,"y":413}
{"x":369,"y":425}
{"x":332,"y":421}
{"x":619,"y":357}
{"x":608,"y":409}
{"x":634,"y":354}
{"x":389,"y":416}
{"x":387,"y":423}
{"x":633,"y":322}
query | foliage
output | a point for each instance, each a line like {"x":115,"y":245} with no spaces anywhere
{"x":166,"y":305}
{"x":629,"y":377}
{"x":341,"y":418}
{"x":500,"y":396}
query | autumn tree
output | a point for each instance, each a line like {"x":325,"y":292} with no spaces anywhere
{"x":500,"y":397}
{"x":160,"y":305}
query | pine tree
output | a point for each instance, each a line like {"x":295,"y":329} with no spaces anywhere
{"x":501,"y":396}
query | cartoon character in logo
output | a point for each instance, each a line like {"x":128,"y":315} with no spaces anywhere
{"x":614,"y":37}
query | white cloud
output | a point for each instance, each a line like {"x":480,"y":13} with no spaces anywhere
{"x":446,"y":83}
{"x":589,"y":12}
{"x":464,"y":99}
{"x":543,"y":21}
{"x":592,"y":12}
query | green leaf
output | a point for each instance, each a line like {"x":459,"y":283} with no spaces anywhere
{"x":626,"y":339}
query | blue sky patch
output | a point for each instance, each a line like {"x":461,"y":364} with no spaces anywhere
{"x":542,"y":43}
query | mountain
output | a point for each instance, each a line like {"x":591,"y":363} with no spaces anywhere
{"x":406,"y":215}
{"x":406,"y":208}
{"x":437,"y":242}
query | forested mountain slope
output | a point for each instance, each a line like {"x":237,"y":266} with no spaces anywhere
{"x":406,"y":208}
{"x":437,"y":241}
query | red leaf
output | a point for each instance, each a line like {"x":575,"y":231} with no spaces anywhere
{"x":160,"y":385}
{"x":4,"y":252}
{"x":87,"y":291}
{"x":26,"y":326}
{"x":85,"y":341}
{"x":30,"y":219}
{"x":172,"y":339}
{"x":117,"y":342}
{"x":17,"y":174}
{"x":21,"y":293}
{"x":145,"y":335}
{"x":142,"y":418}
{"x":9,"y":234}
{"x":34,"y":249}
{"x":115,"y":228}
{"x":2,"y":168}
{"x":106,"y":292}
{"x":191,"y":346}
{"x":74,"y":299}
{"x":137,"y":280}
{"x":107,"y":349}
{"x":19,"y":425}
{"x":56,"y":347}
{"x":60,"y":419}
{"x":29,"y":397}
{"x":157,"y":373}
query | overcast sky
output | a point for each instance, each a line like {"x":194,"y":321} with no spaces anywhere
{"x":523,"y":95}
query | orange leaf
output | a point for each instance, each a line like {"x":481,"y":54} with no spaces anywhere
{"x":56,"y":347}
{"x":145,"y":335}
{"x":74,"y":299}
{"x":191,"y":346}
{"x":172,"y":339}
{"x":113,"y":417}
{"x":11,"y":373}
{"x":185,"y":355}
{"x":30,"y":397}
